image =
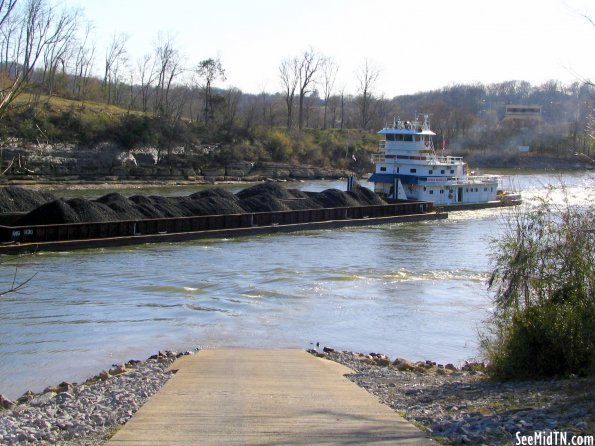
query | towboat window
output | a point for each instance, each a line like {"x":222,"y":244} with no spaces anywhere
{"x":425,"y":188}
{"x":383,"y":169}
{"x":430,"y":172}
{"x":390,"y":137}
{"x":441,"y":191}
{"x":431,"y":192}
{"x":452,"y":171}
{"x":408,"y":138}
{"x":485,"y":189}
{"x":398,"y":169}
{"x":442,"y":171}
{"x":412,"y":170}
{"x":399,"y":137}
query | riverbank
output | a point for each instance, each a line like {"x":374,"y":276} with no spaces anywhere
{"x":462,"y":406}
{"x":246,"y":173}
{"x":87,"y":413}
{"x":457,"y":405}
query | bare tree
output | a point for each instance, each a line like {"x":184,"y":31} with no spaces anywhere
{"x":329,"y":74}
{"x":26,"y":35}
{"x":232,"y":100}
{"x":83,"y":62}
{"x":342,"y":108}
{"x":168,"y":67}
{"x":115,"y":60}
{"x":208,"y":71}
{"x":366,"y":78}
{"x":11,"y":21}
{"x":169,"y":99}
{"x":146,"y":74}
{"x":6,"y":10}
{"x":590,"y":127}
{"x":17,"y":285}
{"x":308,"y":67}
{"x":289,"y":74}
{"x":8,"y":21}
{"x":60,"y":52}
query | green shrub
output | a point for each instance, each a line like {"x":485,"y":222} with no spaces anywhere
{"x":543,"y":341}
{"x":544,"y":294}
{"x":279,"y":144}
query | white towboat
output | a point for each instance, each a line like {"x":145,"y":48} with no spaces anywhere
{"x":408,"y":168}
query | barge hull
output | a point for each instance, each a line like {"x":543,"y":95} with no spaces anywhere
{"x":67,"y":237}
{"x":477,"y":206}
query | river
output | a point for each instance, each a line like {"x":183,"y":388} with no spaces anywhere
{"x":415,"y":290}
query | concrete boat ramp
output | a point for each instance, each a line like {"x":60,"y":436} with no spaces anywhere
{"x":264,"y":397}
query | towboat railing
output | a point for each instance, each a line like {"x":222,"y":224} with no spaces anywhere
{"x":449,"y":159}
{"x":461,"y":181}
{"x":429,"y":159}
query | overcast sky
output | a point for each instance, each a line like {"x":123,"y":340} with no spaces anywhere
{"x":416,"y":45}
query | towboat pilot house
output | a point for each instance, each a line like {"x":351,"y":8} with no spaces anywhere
{"x":408,"y":167}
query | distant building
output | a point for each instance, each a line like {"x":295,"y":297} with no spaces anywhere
{"x":522,"y":116}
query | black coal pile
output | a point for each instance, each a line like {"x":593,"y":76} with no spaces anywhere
{"x":263,"y":203}
{"x":88,"y":210}
{"x":125,"y":208}
{"x":365,"y":196}
{"x":264,"y":197}
{"x":268,"y":189}
{"x":18,"y":199}
{"x":216,"y":193}
{"x":52,"y":213}
{"x":146,"y":206}
{"x":334,"y":198}
{"x":270,"y":197}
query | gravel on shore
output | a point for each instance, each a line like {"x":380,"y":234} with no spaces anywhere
{"x":457,"y":405}
{"x":462,"y":406}
{"x":84,"y":414}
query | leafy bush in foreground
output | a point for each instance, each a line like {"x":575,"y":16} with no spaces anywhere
{"x":544,"y":293}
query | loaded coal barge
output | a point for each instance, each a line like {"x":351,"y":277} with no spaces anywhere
{"x":114,"y":220}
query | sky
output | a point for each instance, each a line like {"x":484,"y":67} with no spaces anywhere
{"x":415,"y":45}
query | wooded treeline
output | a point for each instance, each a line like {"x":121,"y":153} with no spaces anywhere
{"x":47,"y":51}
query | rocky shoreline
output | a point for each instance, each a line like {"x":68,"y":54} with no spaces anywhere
{"x":26,"y":163}
{"x":461,"y":406}
{"x":456,"y":405}
{"x":84,"y":414}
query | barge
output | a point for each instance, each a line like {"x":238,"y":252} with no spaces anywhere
{"x":71,"y":236}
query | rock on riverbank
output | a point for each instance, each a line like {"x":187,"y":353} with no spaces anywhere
{"x":87,"y":413}
{"x":111,"y":161}
{"x":461,"y":406}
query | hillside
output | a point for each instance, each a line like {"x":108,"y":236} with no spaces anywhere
{"x":48,"y":137}
{"x":66,"y":138}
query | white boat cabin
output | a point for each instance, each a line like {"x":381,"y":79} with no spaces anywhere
{"x":407,"y":167}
